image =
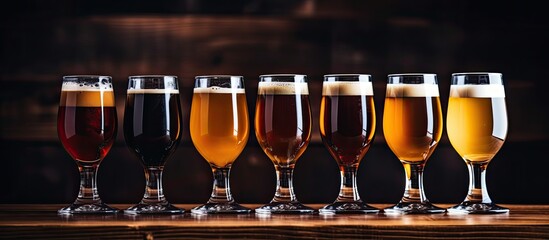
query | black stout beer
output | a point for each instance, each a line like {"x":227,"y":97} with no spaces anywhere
{"x":347,"y":120}
{"x":87,"y":122}
{"x":283,"y":120}
{"x":152,"y":122}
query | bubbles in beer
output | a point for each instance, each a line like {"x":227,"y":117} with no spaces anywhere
{"x":86,"y":86}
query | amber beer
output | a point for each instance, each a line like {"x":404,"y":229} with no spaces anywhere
{"x":477,"y":120}
{"x":152,"y":121}
{"x":283,"y":120}
{"x":87,"y":122}
{"x":412,"y":120}
{"x":347,"y":120}
{"x":219,"y":124}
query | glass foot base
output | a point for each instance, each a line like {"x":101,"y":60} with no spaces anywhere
{"x":347,"y":207}
{"x":477,"y":208}
{"x":212,"y":208}
{"x":154,"y":208}
{"x":88,"y":208}
{"x":413,"y":208}
{"x":284,"y":207}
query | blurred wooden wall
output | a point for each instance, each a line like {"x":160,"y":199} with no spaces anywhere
{"x":43,"y":40}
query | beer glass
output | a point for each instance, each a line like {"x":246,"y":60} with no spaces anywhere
{"x":347,"y":127}
{"x":412,"y":125}
{"x":477,"y":127}
{"x":86,"y":126}
{"x":283,"y":130}
{"x":152,"y":130}
{"x":219,"y":128}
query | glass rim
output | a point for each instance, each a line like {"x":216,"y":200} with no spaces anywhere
{"x":411,"y":74}
{"x":86,"y":76}
{"x":151,"y":76}
{"x":476,"y":73}
{"x":282,"y":75}
{"x":218,"y":76}
{"x":347,"y":75}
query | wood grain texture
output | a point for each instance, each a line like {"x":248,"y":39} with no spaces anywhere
{"x":42,"y":222}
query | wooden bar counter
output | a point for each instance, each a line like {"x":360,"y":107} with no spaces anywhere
{"x":33,"y":221}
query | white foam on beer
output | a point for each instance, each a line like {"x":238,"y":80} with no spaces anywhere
{"x":412,"y":90}
{"x":347,"y":89}
{"x":152,"y":91}
{"x":73,"y":86}
{"x":85,"y":89}
{"x":477,"y":91}
{"x":283,"y":88}
{"x":218,"y":90}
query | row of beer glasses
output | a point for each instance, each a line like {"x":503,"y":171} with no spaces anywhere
{"x":219,"y":127}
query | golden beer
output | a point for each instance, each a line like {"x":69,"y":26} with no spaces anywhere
{"x":412,"y":120}
{"x":477,"y":127}
{"x":477,"y":120}
{"x":219,"y":124}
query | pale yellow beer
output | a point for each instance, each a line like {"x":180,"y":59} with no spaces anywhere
{"x":477,"y":121}
{"x":412,"y":120}
{"x":219,"y":124}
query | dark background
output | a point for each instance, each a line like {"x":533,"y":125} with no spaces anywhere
{"x":43,"y":40}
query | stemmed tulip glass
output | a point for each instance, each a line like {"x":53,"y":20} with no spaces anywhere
{"x":412,"y":125}
{"x":219,"y":128}
{"x":283,"y":129}
{"x":152,"y":129}
{"x":477,"y":128}
{"x":86,"y":126}
{"x":347,"y":127}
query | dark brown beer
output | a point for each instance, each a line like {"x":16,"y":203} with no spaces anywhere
{"x":347,"y":125}
{"x":283,"y":121}
{"x":152,"y":124}
{"x":87,"y":124}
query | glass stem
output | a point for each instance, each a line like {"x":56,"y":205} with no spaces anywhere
{"x":221,"y":192}
{"x":478,"y":192}
{"x":284,"y":185}
{"x":348,"y":191}
{"x":88,"y":187}
{"x":153,"y":188}
{"x":414,"y":183}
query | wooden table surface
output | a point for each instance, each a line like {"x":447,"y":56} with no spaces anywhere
{"x":41,"y":221}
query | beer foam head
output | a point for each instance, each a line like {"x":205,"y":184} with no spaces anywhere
{"x":152,"y":91}
{"x":341,"y":88}
{"x":283,"y":88}
{"x":477,"y":91}
{"x":86,"y":83}
{"x":412,"y":90}
{"x":215,"y":90}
